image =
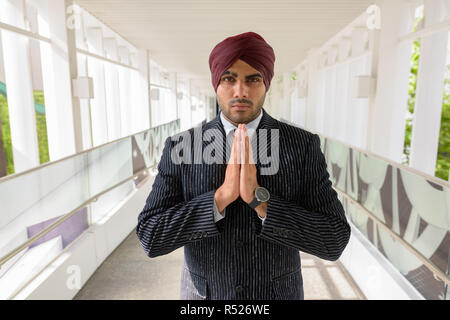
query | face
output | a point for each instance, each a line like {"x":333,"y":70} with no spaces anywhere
{"x":241,"y":93}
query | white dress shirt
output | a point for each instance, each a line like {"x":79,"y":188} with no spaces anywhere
{"x":228,"y":126}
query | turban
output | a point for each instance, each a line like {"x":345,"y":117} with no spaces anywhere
{"x":249,"y":47}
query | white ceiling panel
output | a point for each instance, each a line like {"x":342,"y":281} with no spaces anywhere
{"x":181,"y":34}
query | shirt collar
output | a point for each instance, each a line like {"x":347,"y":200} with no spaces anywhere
{"x":251,"y":126}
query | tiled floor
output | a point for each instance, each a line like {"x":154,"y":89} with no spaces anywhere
{"x":327,"y":280}
{"x":129,"y":274}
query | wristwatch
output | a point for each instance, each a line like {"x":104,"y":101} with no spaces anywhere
{"x":261,"y":195}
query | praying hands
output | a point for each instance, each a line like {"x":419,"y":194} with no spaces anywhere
{"x":240,"y":175}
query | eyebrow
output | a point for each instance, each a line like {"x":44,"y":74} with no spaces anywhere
{"x":247,"y":77}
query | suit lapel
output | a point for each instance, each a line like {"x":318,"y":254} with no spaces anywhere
{"x":260,"y":144}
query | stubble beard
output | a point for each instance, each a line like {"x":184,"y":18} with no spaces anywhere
{"x":227,"y":112}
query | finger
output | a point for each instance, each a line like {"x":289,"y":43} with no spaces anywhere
{"x":230,"y":160}
{"x":236,"y":146}
{"x":244,"y":147}
{"x":252,"y":160}
{"x":247,"y":151}
{"x":233,"y":150}
{"x":250,"y":150}
{"x":242,"y":144}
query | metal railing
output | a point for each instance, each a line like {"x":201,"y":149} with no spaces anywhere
{"x":66,"y":216}
{"x":161,"y":132}
{"x":389,"y":161}
{"x":437,"y":273}
{"x":94,"y":198}
{"x":50,"y":163}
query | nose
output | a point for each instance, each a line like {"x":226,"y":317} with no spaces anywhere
{"x":240,"y":90}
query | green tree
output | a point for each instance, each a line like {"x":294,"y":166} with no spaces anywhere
{"x":3,"y":169}
{"x":6,"y":154}
{"x":6,"y":136}
{"x":411,"y":98}
{"x":443,"y":156}
{"x":41,"y":127}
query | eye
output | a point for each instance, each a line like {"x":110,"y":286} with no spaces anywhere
{"x":228,"y":79}
{"x":254,"y":79}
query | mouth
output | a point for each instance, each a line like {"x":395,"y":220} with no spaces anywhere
{"x":239,"y":106}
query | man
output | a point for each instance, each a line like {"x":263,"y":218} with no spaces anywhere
{"x":241,"y":223}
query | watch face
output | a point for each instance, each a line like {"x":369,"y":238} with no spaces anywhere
{"x":262,"y":194}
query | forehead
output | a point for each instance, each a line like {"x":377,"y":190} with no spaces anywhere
{"x":242,"y":68}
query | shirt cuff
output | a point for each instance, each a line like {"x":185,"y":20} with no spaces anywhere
{"x":217,"y":215}
{"x":262,"y":219}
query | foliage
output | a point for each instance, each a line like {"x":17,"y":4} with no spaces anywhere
{"x":6,"y":134}
{"x":41,"y":127}
{"x":443,"y":156}
{"x":294,"y":75}
{"x":411,"y":98}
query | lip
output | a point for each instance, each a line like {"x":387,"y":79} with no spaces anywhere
{"x":240,"y":106}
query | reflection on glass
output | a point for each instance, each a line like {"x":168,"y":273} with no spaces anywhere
{"x":390,"y":193}
{"x":61,"y":187}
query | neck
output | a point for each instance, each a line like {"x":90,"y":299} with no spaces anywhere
{"x":237,"y":123}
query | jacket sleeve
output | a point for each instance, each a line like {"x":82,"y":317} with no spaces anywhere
{"x":318,"y":226}
{"x":167,"y":222}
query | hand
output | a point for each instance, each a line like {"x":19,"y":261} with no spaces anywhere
{"x":229,"y":190}
{"x":240,"y":176}
{"x":248,"y":181}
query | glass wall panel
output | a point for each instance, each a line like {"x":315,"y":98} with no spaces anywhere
{"x":66,"y":186}
{"x":412,"y":205}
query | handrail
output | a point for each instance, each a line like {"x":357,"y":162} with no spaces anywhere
{"x":94,"y":198}
{"x":438,"y":274}
{"x":34,"y":276}
{"x":23,"y":32}
{"x":99,"y":57}
{"x":18,"y":174}
{"x":438,"y":27}
{"x":436,"y":180}
{"x":159,"y":86}
{"x":435,"y":270}
{"x":345,"y":61}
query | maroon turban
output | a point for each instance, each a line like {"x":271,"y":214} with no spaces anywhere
{"x":249,"y":47}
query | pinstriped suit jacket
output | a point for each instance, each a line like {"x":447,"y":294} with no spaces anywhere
{"x":239,"y":257}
